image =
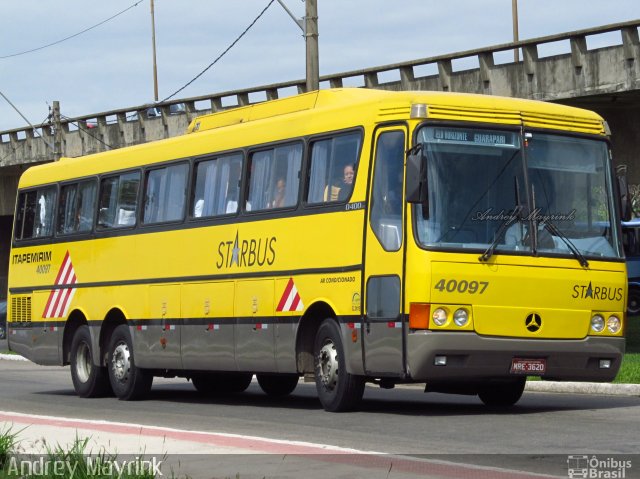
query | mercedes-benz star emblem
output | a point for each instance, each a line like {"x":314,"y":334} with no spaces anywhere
{"x":533,"y":322}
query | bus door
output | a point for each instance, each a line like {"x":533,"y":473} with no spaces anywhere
{"x":383,"y":325}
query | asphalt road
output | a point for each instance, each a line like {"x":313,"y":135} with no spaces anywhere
{"x":538,"y":433}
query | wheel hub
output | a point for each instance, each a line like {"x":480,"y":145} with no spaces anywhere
{"x":328,"y":365}
{"x":83,"y":363}
{"x":121,"y":362}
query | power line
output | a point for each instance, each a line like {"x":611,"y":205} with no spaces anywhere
{"x":77,"y":123}
{"x":23,"y":143}
{"x":222,"y":54}
{"x":26,"y":120}
{"x":71,"y":36}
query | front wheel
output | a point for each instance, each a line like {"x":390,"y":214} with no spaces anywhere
{"x":277,"y":384}
{"x":338,"y":390}
{"x":89,"y":380}
{"x":127,"y":380}
{"x":502,"y":394}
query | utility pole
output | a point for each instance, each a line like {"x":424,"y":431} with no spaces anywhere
{"x":153,"y":41}
{"x":309,"y":27}
{"x":57,"y":131}
{"x":311,"y":39}
{"x":514,"y":16}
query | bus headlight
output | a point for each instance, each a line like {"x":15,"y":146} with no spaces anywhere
{"x":439,"y":316}
{"x":597,"y":323}
{"x":461,"y":317}
{"x":613,"y":324}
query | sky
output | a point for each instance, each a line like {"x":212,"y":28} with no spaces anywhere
{"x":110,"y":66}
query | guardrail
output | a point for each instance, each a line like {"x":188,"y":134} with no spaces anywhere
{"x":103,"y":123}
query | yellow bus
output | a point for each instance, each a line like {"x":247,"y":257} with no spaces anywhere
{"x":342,"y":236}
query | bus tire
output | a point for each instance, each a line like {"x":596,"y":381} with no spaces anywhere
{"x":89,"y":380}
{"x":502,"y":394}
{"x":633,"y":306}
{"x":127,"y":381}
{"x":278,"y":384}
{"x":338,"y":390}
{"x":221,"y":383}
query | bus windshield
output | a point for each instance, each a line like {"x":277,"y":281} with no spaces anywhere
{"x":497,"y":189}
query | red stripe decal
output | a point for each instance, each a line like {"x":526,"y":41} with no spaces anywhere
{"x":283,"y":299}
{"x":61,"y":294}
{"x":295,"y":302}
{"x":66,"y":258}
{"x":46,"y":308}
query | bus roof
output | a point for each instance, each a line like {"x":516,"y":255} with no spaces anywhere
{"x":440,"y":105}
{"x":317,"y":112}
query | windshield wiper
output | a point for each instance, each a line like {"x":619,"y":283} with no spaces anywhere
{"x":513,"y":216}
{"x":553,"y":229}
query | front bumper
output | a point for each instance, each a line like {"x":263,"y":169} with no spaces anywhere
{"x":473,"y":357}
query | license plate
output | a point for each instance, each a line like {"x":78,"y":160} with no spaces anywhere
{"x":528,"y":366}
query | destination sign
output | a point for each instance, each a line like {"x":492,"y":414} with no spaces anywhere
{"x":472,"y":136}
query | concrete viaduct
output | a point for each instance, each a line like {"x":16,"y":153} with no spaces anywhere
{"x":605,"y":79}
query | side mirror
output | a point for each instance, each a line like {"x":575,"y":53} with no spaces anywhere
{"x":624,"y":197}
{"x":416,"y":176}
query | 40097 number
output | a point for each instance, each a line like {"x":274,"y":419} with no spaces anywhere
{"x":462,"y":286}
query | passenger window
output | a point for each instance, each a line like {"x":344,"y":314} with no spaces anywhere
{"x":217,"y":186}
{"x":76,"y":208}
{"x":274,"y":178}
{"x":118,"y":200}
{"x":386,"y":195}
{"x":333,"y":166}
{"x":35,"y":212}
{"x":165,"y":194}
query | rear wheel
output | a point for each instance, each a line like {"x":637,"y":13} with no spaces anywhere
{"x":338,"y":390}
{"x":127,"y":380}
{"x":278,"y":384}
{"x":221,"y":383}
{"x":88,"y":379}
{"x":502,"y":394}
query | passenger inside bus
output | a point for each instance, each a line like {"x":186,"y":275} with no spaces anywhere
{"x":279,"y":194}
{"x":347,"y":183}
{"x":342,"y":191}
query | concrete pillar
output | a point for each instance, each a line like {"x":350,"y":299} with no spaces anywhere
{"x":371,"y":80}
{"x":444,"y":71}
{"x":407,"y":77}
{"x":8,"y":190}
{"x":486,"y":64}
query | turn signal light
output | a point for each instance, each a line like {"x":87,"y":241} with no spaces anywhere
{"x":419,"y":315}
